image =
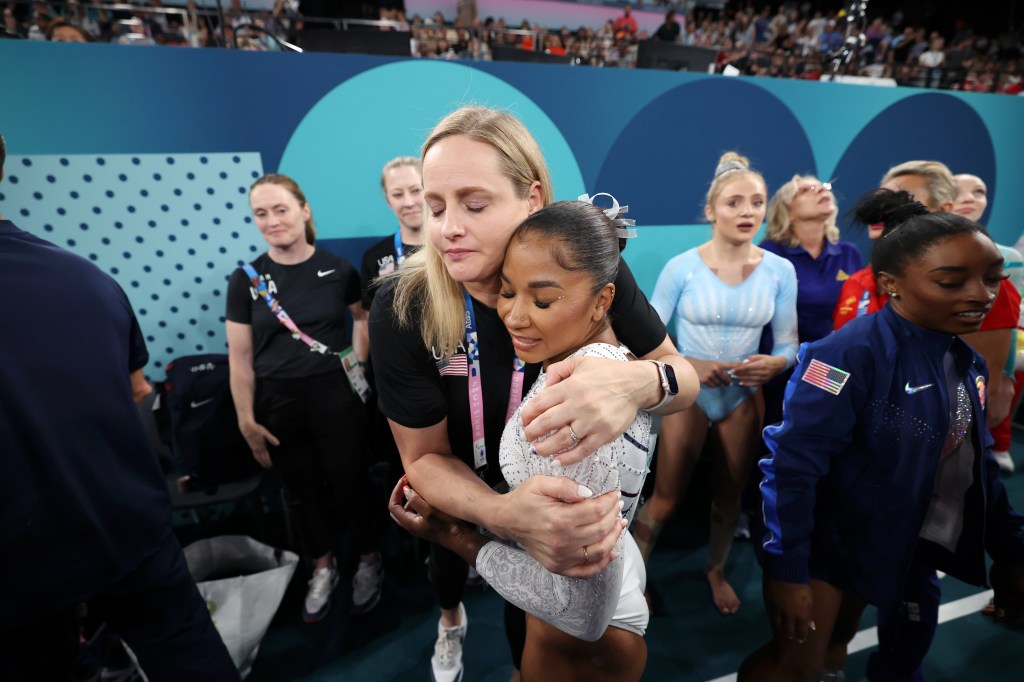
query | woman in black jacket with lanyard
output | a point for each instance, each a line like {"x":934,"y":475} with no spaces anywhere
{"x":297,"y":408}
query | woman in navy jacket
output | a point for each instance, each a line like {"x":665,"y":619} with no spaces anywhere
{"x":882,"y":461}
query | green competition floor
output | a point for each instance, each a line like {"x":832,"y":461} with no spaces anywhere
{"x":687,"y":640}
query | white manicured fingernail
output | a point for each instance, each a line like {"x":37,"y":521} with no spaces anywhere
{"x":584,"y":491}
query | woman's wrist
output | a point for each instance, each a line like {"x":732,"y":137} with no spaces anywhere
{"x":489,"y":513}
{"x":649,"y":392}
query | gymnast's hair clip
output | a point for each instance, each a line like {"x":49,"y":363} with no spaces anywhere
{"x":728,"y":166}
{"x":625,"y":227}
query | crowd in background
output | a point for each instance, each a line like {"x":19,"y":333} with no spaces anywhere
{"x":785,"y":41}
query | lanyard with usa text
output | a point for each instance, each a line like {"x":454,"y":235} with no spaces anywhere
{"x":280,"y":314}
{"x":356,"y":378}
{"x":476,"y":394}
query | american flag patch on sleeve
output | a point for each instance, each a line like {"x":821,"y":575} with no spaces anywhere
{"x":455,"y":366}
{"x":826,"y":377}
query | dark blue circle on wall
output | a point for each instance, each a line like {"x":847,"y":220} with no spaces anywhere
{"x":929,"y":126}
{"x":666,"y":185}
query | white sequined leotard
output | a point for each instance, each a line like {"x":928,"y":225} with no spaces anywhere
{"x":582,"y":608}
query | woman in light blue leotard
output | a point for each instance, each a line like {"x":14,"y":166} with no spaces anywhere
{"x":721,"y":295}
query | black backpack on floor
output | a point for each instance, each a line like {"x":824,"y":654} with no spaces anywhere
{"x":205,"y":440}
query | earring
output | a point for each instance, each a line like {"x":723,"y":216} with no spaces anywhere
{"x":892,"y":294}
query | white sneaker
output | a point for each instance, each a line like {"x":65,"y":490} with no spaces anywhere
{"x":318,"y":598}
{"x":366,"y":584}
{"x":1004,"y":460}
{"x":446,"y":663}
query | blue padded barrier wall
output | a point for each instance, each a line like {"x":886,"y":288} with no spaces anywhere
{"x":139,"y":158}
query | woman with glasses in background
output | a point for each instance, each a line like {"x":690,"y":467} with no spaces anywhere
{"x":801,"y":227}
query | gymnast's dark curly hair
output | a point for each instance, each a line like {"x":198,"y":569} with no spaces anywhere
{"x":910,"y":228}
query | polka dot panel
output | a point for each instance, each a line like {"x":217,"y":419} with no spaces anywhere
{"x":169,"y":228}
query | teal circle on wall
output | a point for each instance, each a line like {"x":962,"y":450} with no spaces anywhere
{"x":337,"y":150}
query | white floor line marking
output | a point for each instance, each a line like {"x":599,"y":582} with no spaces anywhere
{"x":865,"y":639}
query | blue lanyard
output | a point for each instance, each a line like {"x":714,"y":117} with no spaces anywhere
{"x":476,"y":394}
{"x":399,"y":250}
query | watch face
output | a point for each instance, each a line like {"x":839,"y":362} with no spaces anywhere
{"x":670,"y":374}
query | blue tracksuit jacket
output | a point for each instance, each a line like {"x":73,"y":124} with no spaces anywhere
{"x":850,"y":476}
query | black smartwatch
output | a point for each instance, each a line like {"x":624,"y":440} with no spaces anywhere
{"x":668,"y":384}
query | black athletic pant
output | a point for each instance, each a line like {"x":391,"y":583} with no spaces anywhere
{"x":448,"y":573}
{"x":156,"y":609}
{"x":322,"y":459}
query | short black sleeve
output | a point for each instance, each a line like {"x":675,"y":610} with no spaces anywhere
{"x":238,"y":299}
{"x":409,"y":389}
{"x":635,"y":321}
{"x":375,"y":263}
{"x":353,"y":288}
{"x":380,"y":259}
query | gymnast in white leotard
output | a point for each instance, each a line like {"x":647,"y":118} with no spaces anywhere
{"x":557,"y":286}
{"x":721,"y":295}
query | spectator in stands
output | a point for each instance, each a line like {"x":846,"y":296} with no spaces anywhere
{"x":236,"y":15}
{"x":876,"y":35}
{"x":11,"y":26}
{"x":88,"y":19}
{"x":779,"y":24}
{"x":919,"y":46}
{"x":466,"y":13}
{"x":42,"y":15}
{"x":84,"y":511}
{"x":934,"y":59}
{"x":668,"y":32}
{"x":831,"y":39}
{"x":298,"y":409}
{"x":959,"y":54}
{"x":743,"y":30}
{"x":60,"y":31}
{"x":553,"y":44}
{"x":286,"y":21}
{"x":902,"y":44}
{"x":157,"y":18}
{"x":816,"y":26}
{"x":625,"y":26}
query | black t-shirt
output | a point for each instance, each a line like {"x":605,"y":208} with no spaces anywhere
{"x":314,"y":293}
{"x":380,"y":259}
{"x":82,"y":498}
{"x":416,"y":389}
{"x":668,"y":32}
